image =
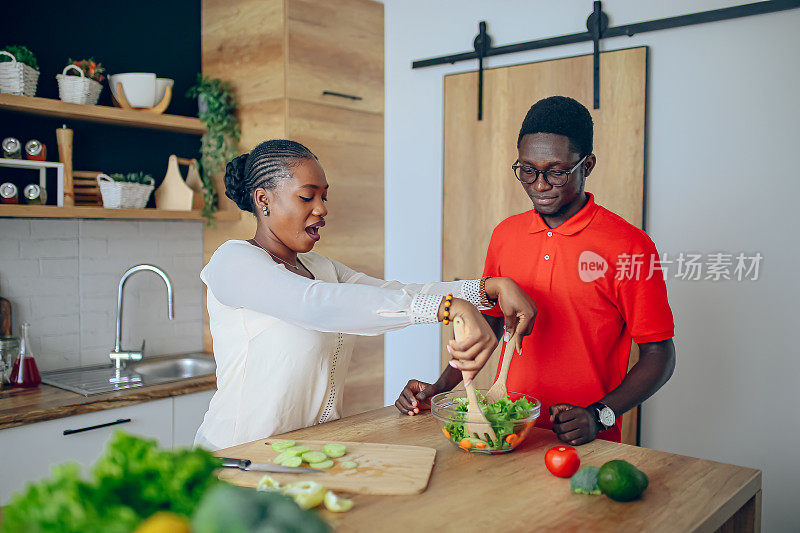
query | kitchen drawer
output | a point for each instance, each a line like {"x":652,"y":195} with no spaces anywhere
{"x":27,"y":453}
{"x":187,"y":415}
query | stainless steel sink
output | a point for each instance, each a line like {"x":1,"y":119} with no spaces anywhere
{"x":178,"y":368}
{"x":149,"y":371}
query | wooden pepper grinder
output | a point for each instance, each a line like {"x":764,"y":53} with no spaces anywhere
{"x":64,"y":137}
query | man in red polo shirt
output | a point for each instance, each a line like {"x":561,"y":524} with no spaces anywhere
{"x":596,"y":283}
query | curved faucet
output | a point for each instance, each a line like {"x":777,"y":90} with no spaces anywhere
{"x":118,"y":355}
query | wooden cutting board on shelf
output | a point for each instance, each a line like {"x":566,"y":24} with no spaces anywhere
{"x":382,"y":468}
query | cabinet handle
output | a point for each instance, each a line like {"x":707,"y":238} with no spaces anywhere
{"x":341,"y":95}
{"x":98,"y":426}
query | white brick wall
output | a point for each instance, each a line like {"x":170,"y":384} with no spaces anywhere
{"x":62,"y":277}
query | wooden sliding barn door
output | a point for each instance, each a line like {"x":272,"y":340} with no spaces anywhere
{"x":478,"y":183}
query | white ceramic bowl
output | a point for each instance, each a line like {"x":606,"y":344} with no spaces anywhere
{"x":161,"y":88}
{"x":139,"y":87}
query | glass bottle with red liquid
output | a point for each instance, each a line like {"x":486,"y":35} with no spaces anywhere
{"x":25,"y":372}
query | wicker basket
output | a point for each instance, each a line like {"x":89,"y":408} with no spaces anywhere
{"x":121,"y":195}
{"x":16,"y":77}
{"x":77,"y":90}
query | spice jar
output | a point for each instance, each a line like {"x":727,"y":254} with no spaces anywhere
{"x":9,"y":194}
{"x":35,"y":150}
{"x":12,"y":148}
{"x":34,"y":195}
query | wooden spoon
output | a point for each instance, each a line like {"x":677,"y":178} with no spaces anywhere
{"x":499,"y":390}
{"x":477,"y":424}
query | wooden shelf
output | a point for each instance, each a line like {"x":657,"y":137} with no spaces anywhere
{"x":51,"y":211}
{"x":103,"y":114}
{"x":228,"y":216}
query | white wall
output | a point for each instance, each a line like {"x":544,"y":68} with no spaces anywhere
{"x":722,"y":105}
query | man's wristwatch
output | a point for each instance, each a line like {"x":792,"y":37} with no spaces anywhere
{"x":603,"y":414}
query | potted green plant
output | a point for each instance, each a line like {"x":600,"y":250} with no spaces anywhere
{"x":217,"y":106}
{"x":19,"y":71}
{"x":125,"y":190}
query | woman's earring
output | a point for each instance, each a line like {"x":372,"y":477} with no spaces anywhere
{"x":266,"y":211}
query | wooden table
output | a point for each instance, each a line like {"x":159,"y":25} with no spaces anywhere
{"x":514,"y":492}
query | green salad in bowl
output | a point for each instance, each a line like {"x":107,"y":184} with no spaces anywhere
{"x":511,"y":420}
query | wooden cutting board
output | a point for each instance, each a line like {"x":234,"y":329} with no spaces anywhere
{"x":382,"y":468}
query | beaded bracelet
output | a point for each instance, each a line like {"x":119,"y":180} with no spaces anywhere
{"x":448,"y":301}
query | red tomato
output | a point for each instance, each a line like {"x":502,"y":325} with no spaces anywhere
{"x":562,"y":461}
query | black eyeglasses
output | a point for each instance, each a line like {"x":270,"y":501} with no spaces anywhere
{"x":555,"y":177}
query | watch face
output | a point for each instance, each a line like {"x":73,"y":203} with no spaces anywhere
{"x":607,"y":417}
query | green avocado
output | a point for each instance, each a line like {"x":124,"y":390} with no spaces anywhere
{"x":621,"y":481}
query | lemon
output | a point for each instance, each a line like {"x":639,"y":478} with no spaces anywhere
{"x":165,"y":522}
{"x":306,"y":494}
{"x":268,"y":484}
{"x":336,"y":504}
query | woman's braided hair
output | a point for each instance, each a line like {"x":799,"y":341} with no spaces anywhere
{"x":263,"y":167}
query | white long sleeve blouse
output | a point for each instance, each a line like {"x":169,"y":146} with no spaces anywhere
{"x":282,"y":342}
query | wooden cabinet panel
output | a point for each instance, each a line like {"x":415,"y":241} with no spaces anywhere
{"x":363,"y":389}
{"x":349,"y":145}
{"x":29,"y":452}
{"x":337,"y":46}
{"x":243,"y":43}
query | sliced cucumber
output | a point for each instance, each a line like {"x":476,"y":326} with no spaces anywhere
{"x":281,"y":457}
{"x":293,"y":461}
{"x":279,"y":445}
{"x":327,"y":463}
{"x":297,"y":450}
{"x":334,"y":450}
{"x":314,"y":457}
{"x":349,"y":464}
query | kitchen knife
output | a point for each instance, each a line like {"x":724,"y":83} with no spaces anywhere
{"x":247,"y":465}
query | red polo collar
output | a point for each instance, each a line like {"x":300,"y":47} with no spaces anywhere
{"x":572,"y":225}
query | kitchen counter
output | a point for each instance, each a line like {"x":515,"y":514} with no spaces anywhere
{"x":26,"y":406}
{"x":514,"y":491}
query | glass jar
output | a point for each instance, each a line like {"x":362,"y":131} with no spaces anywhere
{"x":9,"y":350}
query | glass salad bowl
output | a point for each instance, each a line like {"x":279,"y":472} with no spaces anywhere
{"x":510,"y":418}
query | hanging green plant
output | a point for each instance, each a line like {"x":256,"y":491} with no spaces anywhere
{"x":217,"y":107}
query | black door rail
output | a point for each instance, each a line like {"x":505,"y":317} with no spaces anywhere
{"x":597,"y":28}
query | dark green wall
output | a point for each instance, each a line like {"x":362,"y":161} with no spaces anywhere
{"x":142,"y":36}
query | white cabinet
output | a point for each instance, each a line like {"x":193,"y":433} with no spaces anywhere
{"x":27,"y":453}
{"x":187,"y":415}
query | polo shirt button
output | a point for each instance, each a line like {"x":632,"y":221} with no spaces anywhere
{"x":549,"y":233}
{"x":547,"y":257}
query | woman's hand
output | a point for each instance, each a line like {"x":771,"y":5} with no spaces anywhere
{"x":471,"y":353}
{"x":519,"y":309}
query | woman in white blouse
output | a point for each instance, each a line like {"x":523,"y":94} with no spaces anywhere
{"x":283,"y":318}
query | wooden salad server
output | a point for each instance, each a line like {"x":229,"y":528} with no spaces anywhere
{"x":477,"y":424}
{"x":499,"y":389}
